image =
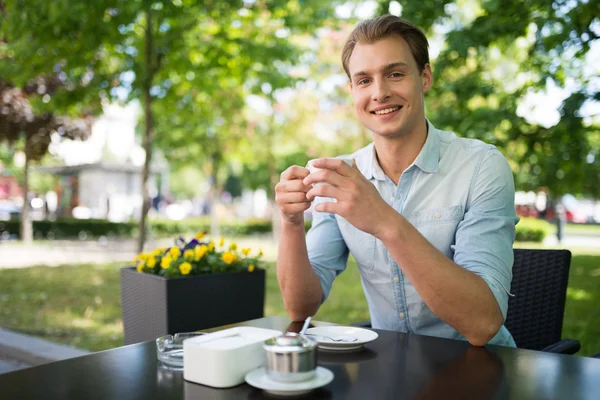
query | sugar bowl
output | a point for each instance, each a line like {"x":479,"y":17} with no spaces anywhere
{"x":291,"y":358}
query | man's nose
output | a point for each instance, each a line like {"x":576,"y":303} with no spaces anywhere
{"x":381,"y":90}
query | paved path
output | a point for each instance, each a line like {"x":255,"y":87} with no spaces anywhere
{"x":573,"y":241}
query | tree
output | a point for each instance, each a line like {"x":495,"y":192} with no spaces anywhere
{"x":182,"y":53}
{"x":19,"y":122}
{"x":496,"y":53}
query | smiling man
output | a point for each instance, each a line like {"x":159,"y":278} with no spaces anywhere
{"x":428,"y":216}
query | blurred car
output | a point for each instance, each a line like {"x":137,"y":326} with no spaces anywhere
{"x":8,"y":210}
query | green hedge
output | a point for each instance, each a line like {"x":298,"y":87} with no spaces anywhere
{"x":528,"y":229}
{"x":193,"y":225}
{"x":70,"y":228}
{"x":532,"y":230}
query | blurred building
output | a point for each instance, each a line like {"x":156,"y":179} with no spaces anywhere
{"x":102,"y":177}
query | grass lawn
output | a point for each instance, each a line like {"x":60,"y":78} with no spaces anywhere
{"x":80,"y":304}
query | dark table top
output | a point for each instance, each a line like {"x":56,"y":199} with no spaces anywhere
{"x":395,"y":366}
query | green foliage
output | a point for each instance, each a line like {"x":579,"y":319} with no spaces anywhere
{"x":496,"y":53}
{"x":70,"y":228}
{"x":186,"y":182}
{"x":532,"y":230}
{"x":162,"y":228}
{"x":198,"y":257}
{"x":233,"y":185}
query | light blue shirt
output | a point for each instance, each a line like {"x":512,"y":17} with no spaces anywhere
{"x":459,"y":194}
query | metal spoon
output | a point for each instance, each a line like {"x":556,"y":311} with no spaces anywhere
{"x":340,"y":338}
{"x":305,"y":326}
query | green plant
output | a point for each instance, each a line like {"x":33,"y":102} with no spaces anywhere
{"x":532,"y":230}
{"x":196,"y":257}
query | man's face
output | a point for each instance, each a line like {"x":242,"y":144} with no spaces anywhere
{"x":387,"y":87}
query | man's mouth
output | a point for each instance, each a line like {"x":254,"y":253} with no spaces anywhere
{"x":386,"y":111}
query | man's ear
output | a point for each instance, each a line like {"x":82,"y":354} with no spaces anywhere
{"x":350,"y":85}
{"x":427,"y":78}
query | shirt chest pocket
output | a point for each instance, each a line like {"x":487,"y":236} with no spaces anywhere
{"x":360,"y":244}
{"x":438,"y":225}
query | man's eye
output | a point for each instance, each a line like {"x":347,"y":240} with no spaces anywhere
{"x":363,"y":81}
{"x":396,"y":75}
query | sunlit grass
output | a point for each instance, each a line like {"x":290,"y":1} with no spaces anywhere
{"x":79,"y":305}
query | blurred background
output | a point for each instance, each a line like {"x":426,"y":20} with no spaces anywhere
{"x":124,"y":124}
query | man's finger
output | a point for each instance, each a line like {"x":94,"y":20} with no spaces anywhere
{"x":295,"y":172}
{"x":328,"y":207}
{"x":295,"y":185}
{"x":323,"y":191}
{"x":334,"y":164}
{"x":324,"y":175}
{"x":291,"y":198}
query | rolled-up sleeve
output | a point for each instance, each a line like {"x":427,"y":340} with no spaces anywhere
{"x":327,"y":251}
{"x":485,"y":237}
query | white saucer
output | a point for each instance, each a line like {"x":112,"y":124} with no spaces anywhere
{"x":362,"y":336}
{"x":259,"y":379}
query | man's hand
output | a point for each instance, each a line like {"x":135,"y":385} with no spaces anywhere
{"x":290,"y":194}
{"x":358,"y":201}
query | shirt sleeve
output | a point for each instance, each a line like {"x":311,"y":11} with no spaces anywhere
{"x":485,"y":237}
{"x":327,"y":250}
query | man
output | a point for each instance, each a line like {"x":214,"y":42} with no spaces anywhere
{"x":429,"y":217}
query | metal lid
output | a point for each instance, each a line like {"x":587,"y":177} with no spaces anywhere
{"x":289,"y":342}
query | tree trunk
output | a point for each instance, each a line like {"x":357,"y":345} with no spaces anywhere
{"x":26,"y":225}
{"x":150,"y":69}
{"x":273,"y":180}
{"x":215,"y":229}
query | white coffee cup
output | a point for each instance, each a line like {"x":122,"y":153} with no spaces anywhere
{"x":312,"y":169}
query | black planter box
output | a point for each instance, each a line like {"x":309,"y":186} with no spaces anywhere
{"x":154,"y":306}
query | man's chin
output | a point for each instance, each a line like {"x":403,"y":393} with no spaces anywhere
{"x":387,"y":132}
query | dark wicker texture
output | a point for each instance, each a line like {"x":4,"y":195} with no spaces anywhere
{"x":154,"y":306}
{"x":535,"y":313}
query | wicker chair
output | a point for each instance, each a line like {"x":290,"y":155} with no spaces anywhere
{"x":535,"y":313}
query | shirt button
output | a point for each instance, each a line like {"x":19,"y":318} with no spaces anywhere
{"x":396,"y":279}
{"x":401,"y":315}
{"x":437,"y":215}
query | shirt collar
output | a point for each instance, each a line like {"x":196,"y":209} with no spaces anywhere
{"x":429,"y":156}
{"x":427,"y":160}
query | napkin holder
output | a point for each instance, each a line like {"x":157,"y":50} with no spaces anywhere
{"x":222,"y":359}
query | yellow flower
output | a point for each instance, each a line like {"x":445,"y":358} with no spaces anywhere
{"x":166,"y":262}
{"x":158,"y":252}
{"x":233,"y":246}
{"x":199,"y":252}
{"x":151,"y":262}
{"x":200,"y":235}
{"x":221,"y":242}
{"x":228,"y":257}
{"x":189,"y":254}
{"x":246,"y":251}
{"x":250,"y":267}
{"x":185,"y":268}
{"x":139,"y":257}
{"x":175,"y":252}
{"x":140,"y":267}
{"x":211,"y":246}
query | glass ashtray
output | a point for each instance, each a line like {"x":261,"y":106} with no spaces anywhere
{"x":169,"y":348}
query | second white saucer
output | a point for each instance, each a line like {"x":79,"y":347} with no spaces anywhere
{"x":259,"y":379}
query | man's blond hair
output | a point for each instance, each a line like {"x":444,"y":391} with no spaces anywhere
{"x":372,"y":30}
